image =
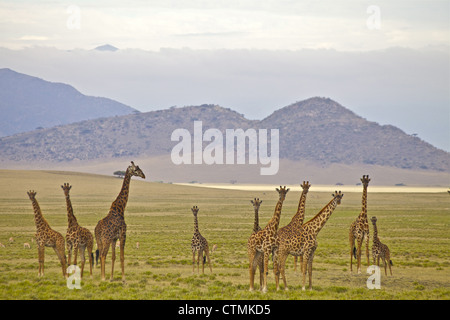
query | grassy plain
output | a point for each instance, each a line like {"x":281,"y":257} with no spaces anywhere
{"x":415,"y":226}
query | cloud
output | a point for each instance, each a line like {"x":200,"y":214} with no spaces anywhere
{"x":33,"y":38}
{"x":245,"y":24}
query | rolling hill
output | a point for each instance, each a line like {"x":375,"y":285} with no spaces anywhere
{"x":317,"y":130}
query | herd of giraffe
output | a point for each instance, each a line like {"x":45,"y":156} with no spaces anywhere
{"x":108,"y":232}
{"x":298,"y":239}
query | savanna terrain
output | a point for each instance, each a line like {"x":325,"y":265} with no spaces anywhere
{"x":414,"y":225}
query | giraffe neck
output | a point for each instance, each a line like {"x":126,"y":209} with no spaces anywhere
{"x":121,"y":201}
{"x":72,"y":220}
{"x":38,"y":217}
{"x":256,"y":224}
{"x":275,"y":221}
{"x":375,"y":232}
{"x":363,"y":214}
{"x":299,"y":217}
{"x":316,"y":224}
{"x":196,"y":225}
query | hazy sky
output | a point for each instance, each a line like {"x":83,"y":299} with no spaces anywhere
{"x":388,"y":61}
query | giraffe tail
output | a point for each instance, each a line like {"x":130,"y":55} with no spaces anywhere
{"x":92,"y":258}
{"x":204,"y":259}
{"x":390,"y":262}
{"x":354,"y":252}
{"x":97,"y":254}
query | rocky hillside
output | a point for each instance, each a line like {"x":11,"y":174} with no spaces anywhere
{"x":27,"y":103}
{"x":325,"y":132}
{"x":317,"y":129}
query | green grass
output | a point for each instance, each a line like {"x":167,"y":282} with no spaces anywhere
{"x":414,"y":226}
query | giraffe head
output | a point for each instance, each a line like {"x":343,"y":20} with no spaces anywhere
{"x":338,"y":195}
{"x":305,"y":186}
{"x":282,"y":192}
{"x":256,"y":203}
{"x":66,"y":188}
{"x":195,"y":210}
{"x":31,"y":194}
{"x":374,"y":220}
{"x":365,"y":180}
{"x":136,"y":171}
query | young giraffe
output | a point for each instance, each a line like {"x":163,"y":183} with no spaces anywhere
{"x":46,"y":237}
{"x":286,"y":235}
{"x":113,"y":226}
{"x":200,"y":245}
{"x":359,"y":230}
{"x":263,"y":242}
{"x":77,"y":237}
{"x":305,"y":244}
{"x":256,"y":228}
{"x":380,"y":250}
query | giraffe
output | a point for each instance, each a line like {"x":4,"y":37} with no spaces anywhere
{"x":256,"y":228}
{"x":379,"y":249}
{"x":359,"y":229}
{"x":263,"y":242}
{"x":286,"y":235}
{"x":77,"y":237}
{"x":199,"y":245}
{"x":113,"y":226}
{"x":305,"y":244}
{"x":46,"y":237}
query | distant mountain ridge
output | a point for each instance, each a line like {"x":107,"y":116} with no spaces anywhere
{"x":318,"y":130}
{"x":27,"y":103}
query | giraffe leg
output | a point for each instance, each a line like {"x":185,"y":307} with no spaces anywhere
{"x":76,"y":248}
{"x":252,"y":267}
{"x":113,"y":258}
{"x":59,"y":250}
{"x":276,"y":270}
{"x":69,"y":252}
{"x":301,"y":263}
{"x":304,"y":269}
{"x":103,"y":252}
{"x":83,"y":259}
{"x":203,"y":260}
{"x":266,"y":269}
{"x":193,"y":260}
{"x":388,"y":260}
{"x":283,"y":258}
{"x":385,"y":265}
{"x":122,"y":257}
{"x":199,"y":256}
{"x":41,"y":258}
{"x":207,"y":257}
{"x":260,"y":265}
{"x":352,"y":248}
{"x":367,"y":248}
{"x":310,"y":263}
{"x":91,"y":262}
{"x":295,"y":263}
{"x":358,"y":255}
